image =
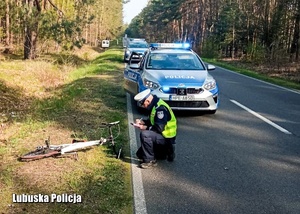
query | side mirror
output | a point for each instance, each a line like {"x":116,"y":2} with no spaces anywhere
{"x":134,"y":66}
{"x":210,"y":67}
{"x":135,"y":58}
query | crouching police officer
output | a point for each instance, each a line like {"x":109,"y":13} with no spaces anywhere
{"x":158,"y":131}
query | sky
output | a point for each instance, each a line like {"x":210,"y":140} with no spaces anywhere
{"x":132,"y":9}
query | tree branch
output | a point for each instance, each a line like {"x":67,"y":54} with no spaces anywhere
{"x":60,"y":13}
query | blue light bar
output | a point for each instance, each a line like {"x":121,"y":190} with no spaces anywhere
{"x":170,"y":45}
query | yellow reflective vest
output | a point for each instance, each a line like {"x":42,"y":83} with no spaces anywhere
{"x":171,"y":126}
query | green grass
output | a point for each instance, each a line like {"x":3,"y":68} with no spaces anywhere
{"x":83,"y":97}
{"x":256,"y":75}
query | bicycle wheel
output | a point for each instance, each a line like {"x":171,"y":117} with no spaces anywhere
{"x":39,"y":154}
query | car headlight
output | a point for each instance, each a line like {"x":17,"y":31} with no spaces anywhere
{"x":210,"y":85}
{"x":128,"y":52}
{"x":150,"y":84}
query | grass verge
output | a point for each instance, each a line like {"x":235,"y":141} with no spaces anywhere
{"x":63,"y":101}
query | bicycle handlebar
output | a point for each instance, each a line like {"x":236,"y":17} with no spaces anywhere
{"x":109,"y":124}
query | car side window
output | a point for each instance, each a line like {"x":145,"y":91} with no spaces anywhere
{"x":155,"y":61}
{"x":190,"y":62}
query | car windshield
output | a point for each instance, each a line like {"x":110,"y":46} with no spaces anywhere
{"x":138,"y":45}
{"x":174,"y":61}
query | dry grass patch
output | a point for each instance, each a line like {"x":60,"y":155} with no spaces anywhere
{"x":63,"y":106}
{"x":34,"y":78}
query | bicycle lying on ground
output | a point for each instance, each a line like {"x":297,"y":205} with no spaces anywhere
{"x":49,"y":150}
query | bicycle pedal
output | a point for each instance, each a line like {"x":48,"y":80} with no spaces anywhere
{"x":75,"y":156}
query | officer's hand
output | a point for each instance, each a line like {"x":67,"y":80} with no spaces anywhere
{"x":143,"y":127}
{"x":139,"y":121}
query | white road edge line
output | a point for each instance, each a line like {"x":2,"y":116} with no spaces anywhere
{"x":262,"y":118}
{"x":137,"y":182}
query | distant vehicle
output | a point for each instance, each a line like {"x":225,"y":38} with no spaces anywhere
{"x":105,"y":44}
{"x":127,"y":40}
{"x":136,"y":46}
{"x":176,"y":74}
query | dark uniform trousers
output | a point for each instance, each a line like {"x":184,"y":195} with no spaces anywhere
{"x":153,"y":146}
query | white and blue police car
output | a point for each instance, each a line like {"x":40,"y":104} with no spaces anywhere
{"x":137,"y":45}
{"x":176,"y":74}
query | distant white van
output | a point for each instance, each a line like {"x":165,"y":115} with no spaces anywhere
{"x":105,"y":43}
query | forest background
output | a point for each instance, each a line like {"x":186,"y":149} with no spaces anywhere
{"x":264,"y":34}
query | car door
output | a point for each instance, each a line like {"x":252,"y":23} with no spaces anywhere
{"x":132,"y":73}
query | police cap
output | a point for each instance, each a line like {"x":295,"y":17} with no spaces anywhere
{"x":142,"y":96}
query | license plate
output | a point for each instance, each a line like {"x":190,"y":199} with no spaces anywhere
{"x":182,"y":98}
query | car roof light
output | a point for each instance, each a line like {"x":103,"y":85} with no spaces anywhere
{"x":170,"y":45}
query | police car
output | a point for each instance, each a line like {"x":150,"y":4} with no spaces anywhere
{"x":138,"y":46}
{"x":175,"y":74}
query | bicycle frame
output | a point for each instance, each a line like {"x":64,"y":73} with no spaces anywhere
{"x":79,"y":145}
{"x":63,"y":149}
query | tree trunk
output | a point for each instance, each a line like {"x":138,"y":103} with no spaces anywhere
{"x":296,"y":36}
{"x":31,"y":29}
{"x":233,"y":44}
{"x":7,"y":40}
{"x":30,"y":43}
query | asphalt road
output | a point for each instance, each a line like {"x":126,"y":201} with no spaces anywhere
{"x":243,"y":159}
